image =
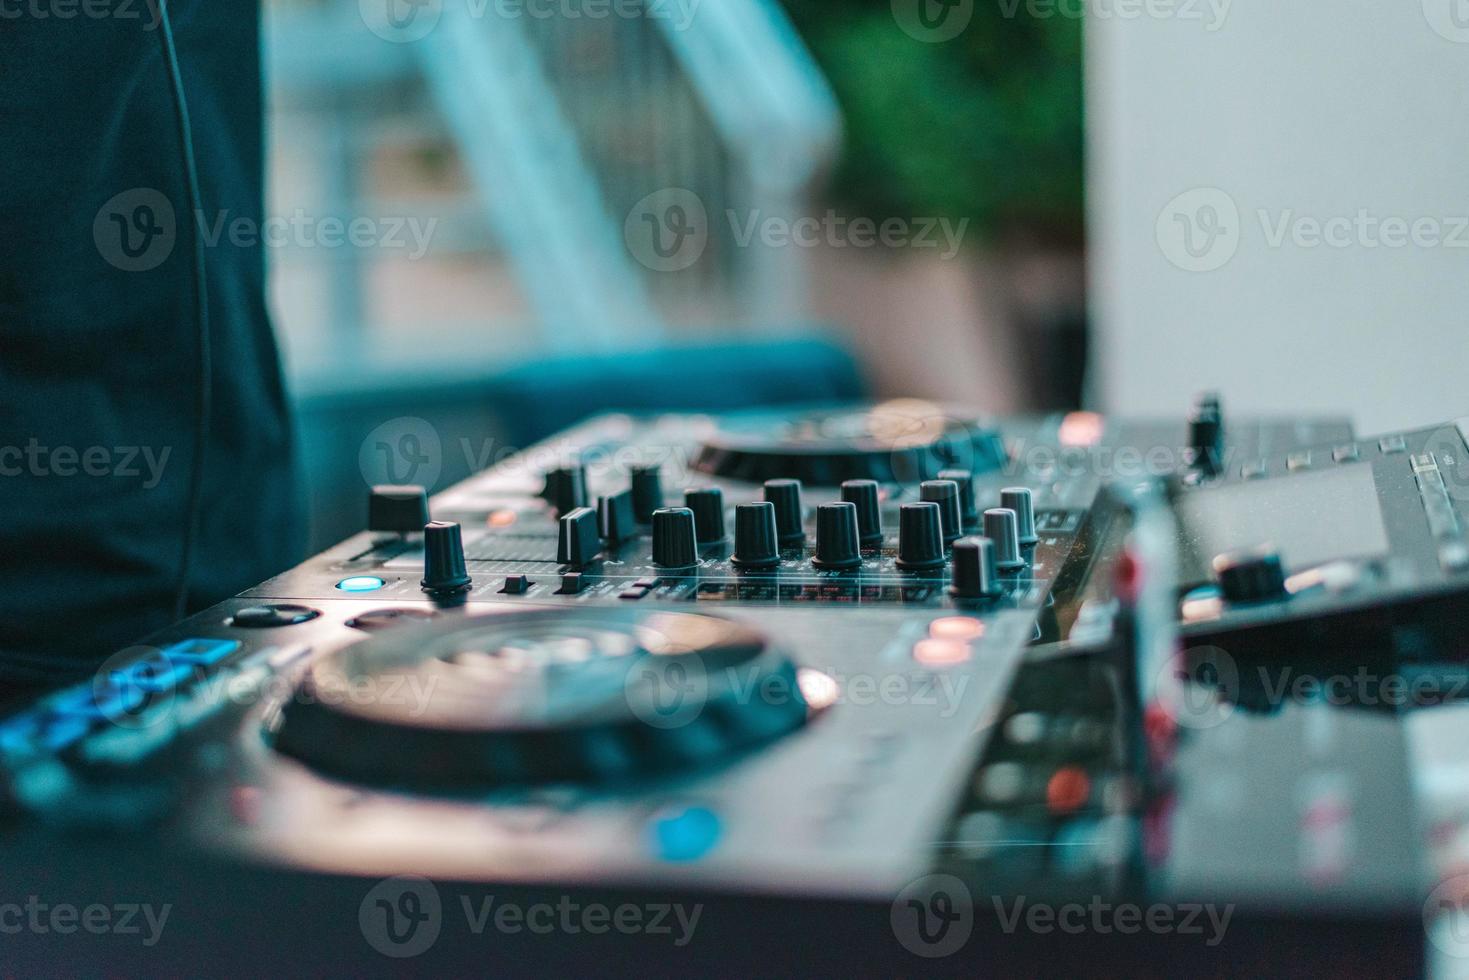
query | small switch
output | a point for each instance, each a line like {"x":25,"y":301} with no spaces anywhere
{"x":517,"y":585}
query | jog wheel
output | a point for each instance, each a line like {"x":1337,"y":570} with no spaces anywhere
{"x":575,"y":696}
{"x":896,"y":442}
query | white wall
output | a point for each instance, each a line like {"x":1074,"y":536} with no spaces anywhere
{"x":1305,"y":109}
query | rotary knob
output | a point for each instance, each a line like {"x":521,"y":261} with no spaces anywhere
{"x":838,"y":545}
{"x":863,"y":494}
{"x":397,"y":509}
{"x":444,"y":571}
{"x":968,"y":503}
{"x":756,"y":543}
{"x":920,"y":537}
{"x":1001,"y":527}
{"x":647,"y":492}
{"x":708,"y":507}
{"x":566,"y":488}
{"x":945,"y":493}
{"x":1250,"y":575}
{"x":674,"y":541}
{"x":1206,"y":433}
{"x":974,"y":574}
{"x":785,"y":495}
{"x":1020,"y":500}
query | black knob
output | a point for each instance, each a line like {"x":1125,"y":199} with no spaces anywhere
{"x":945,"y":493}
{"x":615,"y":520}
{"x":443,"y":558}
{"x":756,"y":542}
{"x":647,"y":492}
{"x":968,"y":505}
{"x":974,"y":574}
{"x":838,"y":545}
{"x":1206,"y":433}
{"x":1002,"y":527}
{"x":674,"y":543}
{"x":786,"y":496}
{"x":920,"y":537}
{"x":566,"y":488}
{"x":1250,"y":575}
{"x":1020,"y":500}
{"x":863,"y":495}
{"x":399,"y":509}
{"x":708,"y":508}
{"x":577,"y":541}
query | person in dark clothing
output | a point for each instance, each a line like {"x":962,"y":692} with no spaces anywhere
{"x":100,"y":398}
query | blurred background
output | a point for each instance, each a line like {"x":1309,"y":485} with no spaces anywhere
{"x":561,"y":207}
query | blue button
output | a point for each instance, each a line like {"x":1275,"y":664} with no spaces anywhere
{"x":201,"y":651}
{"x":159,"y":675}
{"x":685,"y":833}
{"x":361,"y":583}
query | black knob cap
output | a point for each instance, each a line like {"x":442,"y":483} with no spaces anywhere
{"x":1206,"y":433}
{"x":615,"y":520}
{"x":945,"y":493}
{"x":863,"y":495}
{"x":647,"y":492}
{"x":974,"y":574}
{"x":1002,"y":527}
{"x":920,"y":537}
{"x":968,"y":505}
{"x":756,"y":542}
{"x":399,"y":509}
{"x":1250,"y":575}
{"x":577,"y":540}
{"x":443,"y":558}
{"x":708,"y":507}
{"x":838,"y":545}
{"x":1020,"y":500}
{"x":566,"y":488}
{"x":786,"y":496}
{"x":674,"y":544}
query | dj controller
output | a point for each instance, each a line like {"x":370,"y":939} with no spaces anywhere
{"x":1197,"y":687}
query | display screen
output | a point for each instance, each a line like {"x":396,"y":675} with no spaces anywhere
{"x":1310,"y":517}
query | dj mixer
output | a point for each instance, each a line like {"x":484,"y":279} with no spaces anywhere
{"x":898,"y":661}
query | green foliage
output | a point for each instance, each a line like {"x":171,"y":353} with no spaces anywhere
{"x":986,"y":126}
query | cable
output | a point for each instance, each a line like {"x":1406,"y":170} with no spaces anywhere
{"x":204,"y":366}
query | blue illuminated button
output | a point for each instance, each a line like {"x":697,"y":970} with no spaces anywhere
{"x":361,"y":583}
{"x":685,"y":833}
